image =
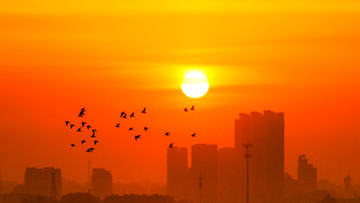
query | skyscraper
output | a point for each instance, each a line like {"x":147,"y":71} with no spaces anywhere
{"x":307,"y":175}
{"x":204,"y":168}
{"x":177,"y":172}
{"x":46,"y":181}
{"x":102,"y":184}
{"x":265,"y":131}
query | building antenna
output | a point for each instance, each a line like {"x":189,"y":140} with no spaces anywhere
{"x":247,"y":157}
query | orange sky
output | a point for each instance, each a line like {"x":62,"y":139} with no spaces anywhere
{"x":301,"y":58}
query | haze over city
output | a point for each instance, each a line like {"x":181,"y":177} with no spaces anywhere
{"x":300,"y":59}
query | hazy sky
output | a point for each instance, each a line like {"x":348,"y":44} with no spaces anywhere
{"x":301,"y":58}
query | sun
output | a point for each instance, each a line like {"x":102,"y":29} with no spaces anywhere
{"x":195,"y":84}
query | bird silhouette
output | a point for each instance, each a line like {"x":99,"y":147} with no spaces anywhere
{"x":130,"y":129}
{"x":124,"y":116}
{"x":79,"y":130}
{"x":132,"y":115}
{"x":81,"y":114}
{"x":93,"y":130}
{"x":167,"y":133}
{"x":137,"y":137}
{"x":67,"y":122}
{"x":122,"y":113}
{"x":88,"y":127}
{"x":72,"y":145}
{"x":93,"y":135}
{"x":118,"y":125}
{"x":193,"y":108}
{"x":83,"y":124}
{"x":171,"y":145}
{"x":95,"y":142}
{"x":186,"y":110}
{"x":193,"y":135}
{"x":144,"y":110}
{"x":146,"y":128}
{"x":71,"y":126}
{"x":90,"y":149}
{"x":83,"y":141}
{"x":82,"y":110}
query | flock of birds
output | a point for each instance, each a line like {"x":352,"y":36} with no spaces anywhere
{"x":123,"y":115}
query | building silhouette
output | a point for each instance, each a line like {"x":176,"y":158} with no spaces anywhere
{"x":265,"y":132}
{"x":46,"y":182}
{"x":348,"y":186}
{"x":178,"y":173}
{"x":102,"y":183}
{"x":307,"y":175}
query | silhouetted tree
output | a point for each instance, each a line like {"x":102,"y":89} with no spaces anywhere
{"x":79,"y":198}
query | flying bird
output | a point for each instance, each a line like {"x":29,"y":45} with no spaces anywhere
{"x":88,"y":127}
{"x":137,"y":137}
{"x":193,"y":135}
{"x":93,"y":135}
{"x":81,"y":114}
{"x":144,"y":110}
{"x":83,"y":141}
{"x":72,"y":145}
{"x":186,"y":110}
{"x":146,"y":128}
{"x":132,"y":115}
{"x":124,"y":116}
{"x":71,"y":126}
{"x":130,"y":129}
{"x":118,"y":125}
{"x":90,"y":149}
{"x":83,"y":124}
{"x":95,"y":142}
{"x":193,"y":108}
{"x":167,"y":133}
{"x":171,"y":145}
{"x":79,"y":130}
{"x":83,"y":110}
{"x":122,"y":113}
{"x":93,"y":130}
{"x":67,"y":122}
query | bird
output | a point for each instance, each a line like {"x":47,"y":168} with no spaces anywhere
{"x":79,"y":130}
{"x":71,"y":126}
{"x":67,"y":122}
{"x":118,"y":125}
{"x":95,"y":142}
{"x":167,"y":133}
{"x":193,"y":135}
{"x":93,"y":130}
{"x":124,"y":116}
{"x":88,"y":127}
{"x":90,"y":149}
{"x":83,"y":124}
{"x":144,"y":110}
{"x":83,"y":141}
{"x":83,"y":110}
{"x":146,"y":128}
{"x":130,"y":129}
{"x":93,"y":135}
{"x":81,"y":114}
{"x":72,"y":145}
{"x":171,"y":145}
{"x":186,"y":110}
{"x":137,"y":137}
{"x":122,"y":113}
{"x":193,"y":108}
{"x":132,"y":115}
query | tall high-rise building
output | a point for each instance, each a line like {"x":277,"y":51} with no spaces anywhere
{"x":102,"y":184}
{"x":177,"y":173}
{"x":265,"y":133}
{"x":204,"y":170}
{"x":307,"y":175}
{"x":228,"y":175}
{"x":46,"y":181}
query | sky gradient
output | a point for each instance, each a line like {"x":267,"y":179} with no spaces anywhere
{"x":300,"y":58}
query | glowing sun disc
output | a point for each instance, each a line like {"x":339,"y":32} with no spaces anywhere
{"x":195,"y":85}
